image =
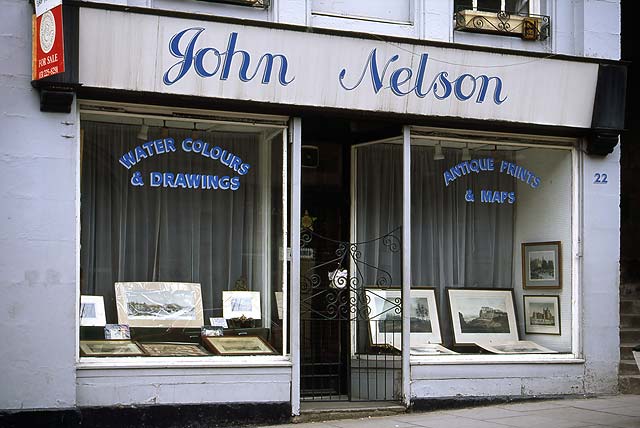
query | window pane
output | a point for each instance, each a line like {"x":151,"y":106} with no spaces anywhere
{"x":192,"y":203}
{"x":517,"y":7}
{"x":472,"y":209}
{"x":463,"y":4}
{"x":490,"y":5}
{"x":398,"y":10}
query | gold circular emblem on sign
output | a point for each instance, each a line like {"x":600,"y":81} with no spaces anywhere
{"x":47,"y":31}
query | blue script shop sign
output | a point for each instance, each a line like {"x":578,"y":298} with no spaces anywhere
{"x":229,"y":61}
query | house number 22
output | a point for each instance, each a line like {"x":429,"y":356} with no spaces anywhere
{"x":600,"y":178}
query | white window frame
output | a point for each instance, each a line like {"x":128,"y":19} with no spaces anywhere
{"x":521,"y":140}
{"x":135,"y":111}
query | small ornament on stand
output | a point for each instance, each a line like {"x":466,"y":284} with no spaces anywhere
{"x":307,"y":221}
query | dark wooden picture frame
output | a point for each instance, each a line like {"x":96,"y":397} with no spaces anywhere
{"x":542,"y":265}
{"x":475,"y":332}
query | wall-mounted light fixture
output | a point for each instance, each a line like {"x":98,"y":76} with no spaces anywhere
{"x":466,"y":153}
{"x":143,"y":134}
{"x":437,"y":155}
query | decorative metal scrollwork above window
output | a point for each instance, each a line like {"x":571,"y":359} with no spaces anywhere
{"x":531,"y":27}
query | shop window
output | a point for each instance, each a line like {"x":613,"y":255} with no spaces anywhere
{"x":491,"y":244}
{"x":181,"y":237}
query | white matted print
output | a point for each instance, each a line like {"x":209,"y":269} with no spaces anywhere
{"x":541,"y":314}
{"x":482,"y":315}
{"x":431,"y":349}
{"x":92,"y":311}
{"x":159,"y":304}
{"x":516,"y":347}
{"x":385,"y":317}
{"x":236,"y":304}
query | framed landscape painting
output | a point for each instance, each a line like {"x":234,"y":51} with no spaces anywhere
{"x":110,"y":348}
{"x":173,"y":349}
{"x":159,"y":304}
{"x":541,"y":265}
{"x":385,"y":317}
{"x":541,"y":314}
{"x":238,"y":345}
{"x":482,"y":315}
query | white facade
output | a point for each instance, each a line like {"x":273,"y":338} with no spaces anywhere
{"x":39,"y":191}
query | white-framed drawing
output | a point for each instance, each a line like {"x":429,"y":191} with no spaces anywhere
{"x":92,"y":311}
{"x":385,"y":316}
{"x":236,"y":304}
{"x":482,"y":315}
{"x":159,"y":304}
{"x":516,"y":347}
{"x":541,"y":314}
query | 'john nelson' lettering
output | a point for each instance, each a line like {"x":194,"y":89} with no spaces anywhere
{"x":209,"y":61}
{"x":404,"y":80}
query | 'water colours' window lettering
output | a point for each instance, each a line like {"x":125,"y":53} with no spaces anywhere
{"x":183,"y":179}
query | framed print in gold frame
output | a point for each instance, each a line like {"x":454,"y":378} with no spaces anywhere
{"x":237,"y":345}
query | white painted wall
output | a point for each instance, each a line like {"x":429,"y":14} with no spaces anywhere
{"x":486,"y":380}
{"x":138,"y":386}
{"x":38,"y":239}
{"x":601,"y":272}
{"x":589,"y":28}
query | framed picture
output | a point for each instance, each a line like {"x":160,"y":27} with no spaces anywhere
{"x":236,"y":304}
{"x":168,"y":349}
{"x":117,"y":331}
{"x":385,"y":317}
{"x":159,"y":304}
{"x":516,"y":347}
{"x":541,"y":314}
{"x":541,"y":265}
{"x":110,"y":348}
{"x":482,"y":315}
{"x":431,"y":349}
{"x":238,"y":345}
{"x":92,"y":311}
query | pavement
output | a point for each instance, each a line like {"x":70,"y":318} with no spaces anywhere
{"x":618,"y":411}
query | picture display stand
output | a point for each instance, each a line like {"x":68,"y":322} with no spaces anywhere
{"x":385,"y":320}
{"x":487,"y":318}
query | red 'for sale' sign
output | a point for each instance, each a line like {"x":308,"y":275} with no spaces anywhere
{"x":48,"y":44}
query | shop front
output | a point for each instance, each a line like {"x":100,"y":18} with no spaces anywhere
{"x":257,"y":202}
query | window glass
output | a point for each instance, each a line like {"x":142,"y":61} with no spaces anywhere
{"x":181,"y":228}
{"x":489,"y":5}
{"x":398,"y":10}
{"x":491,"y":238}
{"x":517,"y":7}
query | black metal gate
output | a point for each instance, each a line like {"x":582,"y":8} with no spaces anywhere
{"x":351,"y":318}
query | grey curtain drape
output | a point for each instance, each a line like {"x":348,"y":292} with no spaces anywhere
{"x":143,"y":233}
{"x":454,"y":243}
